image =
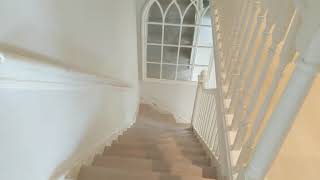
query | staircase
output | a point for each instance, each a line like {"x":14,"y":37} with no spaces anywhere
{"x":154,"y":148}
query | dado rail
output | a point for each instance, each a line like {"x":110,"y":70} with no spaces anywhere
{"x":267,"y":54}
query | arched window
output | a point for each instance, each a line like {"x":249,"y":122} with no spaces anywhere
{"x":177,"y":39}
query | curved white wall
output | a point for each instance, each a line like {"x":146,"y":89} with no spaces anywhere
{"x":45,"y":130}
{"x":178,"y":99}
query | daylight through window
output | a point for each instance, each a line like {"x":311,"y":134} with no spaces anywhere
{"x":177,"y":39}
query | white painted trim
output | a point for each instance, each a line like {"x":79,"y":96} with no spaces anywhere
{"x":19,"y":72}
{"x":178,"y":25}
{"x":183,"y":46}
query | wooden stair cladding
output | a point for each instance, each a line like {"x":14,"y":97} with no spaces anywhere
{"x":154,"y":148}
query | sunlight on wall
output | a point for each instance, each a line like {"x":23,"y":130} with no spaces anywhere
{"x":300,"y":154}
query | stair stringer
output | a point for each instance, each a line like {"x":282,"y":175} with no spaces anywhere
{"x":87,"y":157}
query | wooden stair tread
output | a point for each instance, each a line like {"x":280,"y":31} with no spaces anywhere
{"x":159,"y":138}
{"x":102,"y":173}
{"x":150,"y":141}
{"x":158,"y":147}
{"x":174,"y":154}
{"x":154,"y":148}
{"x":159,"y":135}
{"x":202,"y":162}
{"x":166,"y":130}
{"x":170,"y":129}
{"x":173,"y":168}
{"x":135,"y":142}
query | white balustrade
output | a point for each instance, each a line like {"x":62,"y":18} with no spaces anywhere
{"x":254,"y":42}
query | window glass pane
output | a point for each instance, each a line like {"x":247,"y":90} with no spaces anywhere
{"x":187,"y":36}
{"x":155,"y":14}
{"x":205,"y":36}
{"x":185,"y":55}
{"x":164,"y":4}
{"x":168,"y":72}
{"x":206,"y":19}
{"x":170,"y":54}
{"x":153,"y":53}
{"x":183,"y":4}
{"x":184,"y":73}
{"x":190,"y":16}
{"x":153,"y":70}
{"x":173,"y":15}
{"x":154,"y":33}
{"x":171,"y":35}
{"x":205,"y":3}
{"x":196,"y":72}
{"x":203,"y":56}
{"x":163,"y":41}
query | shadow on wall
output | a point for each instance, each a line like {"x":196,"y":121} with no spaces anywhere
{"x":75,"y":57}
{"x":70,"y":54}
{"x":12,"y":49}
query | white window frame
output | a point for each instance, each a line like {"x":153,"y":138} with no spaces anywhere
{"x":144,"y":35}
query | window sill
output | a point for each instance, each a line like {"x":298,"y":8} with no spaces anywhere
{"x":175,"y":82}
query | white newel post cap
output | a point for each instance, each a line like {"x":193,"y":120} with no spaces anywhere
{"x":203,"y":77}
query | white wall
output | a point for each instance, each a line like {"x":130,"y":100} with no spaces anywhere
{"x":175,"y":98}
{"x":94,"y":35}
{"x":43,"y":131}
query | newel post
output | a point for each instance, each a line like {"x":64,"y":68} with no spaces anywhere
{"x":202,"y":80}
{"x":2,"y":58}
{"x":284,"y":114}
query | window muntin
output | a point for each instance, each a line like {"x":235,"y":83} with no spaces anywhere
{"x":179,"y":43}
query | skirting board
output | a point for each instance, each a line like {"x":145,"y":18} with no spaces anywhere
{"x":87,"y":157}
{"x":164,"y":109}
